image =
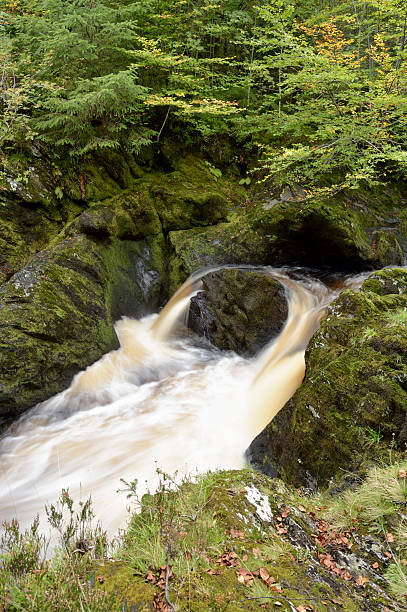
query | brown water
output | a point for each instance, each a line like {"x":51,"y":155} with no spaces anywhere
{"x":161,"y":399}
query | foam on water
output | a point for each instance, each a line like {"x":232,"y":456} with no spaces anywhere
{"x":158,"y":400}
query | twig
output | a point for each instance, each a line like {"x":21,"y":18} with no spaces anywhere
{"x":163,"y":125}
{"x":167,"y":588}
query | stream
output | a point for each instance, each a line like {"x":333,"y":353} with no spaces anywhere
{"x":165,"y":398}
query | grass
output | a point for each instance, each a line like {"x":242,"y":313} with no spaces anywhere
{"x":397,"y":317}
{"x":184,"y":548}
{"x":30,"y":581}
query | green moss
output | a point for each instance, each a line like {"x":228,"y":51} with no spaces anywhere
{"x":135,"y":277}
{"x":119,"y":582}
{"x":54,"y":322}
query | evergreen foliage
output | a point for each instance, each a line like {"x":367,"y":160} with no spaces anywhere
{"x":318,"y":89}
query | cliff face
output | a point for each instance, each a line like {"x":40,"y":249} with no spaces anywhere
{"x":80,"y":250}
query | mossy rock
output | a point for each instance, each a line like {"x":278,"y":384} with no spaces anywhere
{"x":239,"y":310}
{"x":237,"y":539}
{"x":348,"y":231}
{"x":352,"y":406}
{"x":190,"y":196}
{"x":226,"y":243}
{"x":57,"y":313}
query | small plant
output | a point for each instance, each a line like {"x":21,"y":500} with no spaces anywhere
{"x":30,"y":581}
{"x":398,"y":317}
{"x":397,"y":578}
{"x":213,"y":170}
{"x":373,"y":437}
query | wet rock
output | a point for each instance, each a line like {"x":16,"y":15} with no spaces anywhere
{"x":239,"y":309}
{"x":57,"y":313}
{"x":352,"y":405}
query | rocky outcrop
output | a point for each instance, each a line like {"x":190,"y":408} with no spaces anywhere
{"x":57,"y":313}
{"x":352,"y":405}
{"x":239,"y":309}
{"x":356,"y":230}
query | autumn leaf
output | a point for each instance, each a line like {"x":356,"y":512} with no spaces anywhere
{"x":389,"y":537}
{"x":402,"y":473}
{"x":244,"y":577}
{"x":236,"y":534}
{"x":361,"y":580}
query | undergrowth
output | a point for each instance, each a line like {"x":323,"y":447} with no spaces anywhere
{"x":190,"y":546}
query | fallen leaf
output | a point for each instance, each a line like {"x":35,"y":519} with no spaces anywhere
{"x":388,"y":554}
{"x":361,"y":580}
{"x":264,"y":574}
{"x":236,"y":534}
{"x":101,"y":579}
{"x":256,"y":552}
{"x":389,"y":537}
{"x":375,"y":565}
{"x":301,"y":509}
{"x":244,"y":558}
{"x":150,"y":576}
{"x":402,"y":473}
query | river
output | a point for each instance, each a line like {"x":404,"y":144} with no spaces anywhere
{"x":165,"y":398}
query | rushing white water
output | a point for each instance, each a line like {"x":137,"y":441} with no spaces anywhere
{"x":171,"y":401}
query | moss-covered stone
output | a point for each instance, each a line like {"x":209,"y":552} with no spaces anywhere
{"x":54,"y":322}
{"x":238,"y":539}
{"x":57,"y":313}
{"x":346,"y":231}
{"x":239,"y":309}
{"x":349,"y":231}
{"x":352,"y":405}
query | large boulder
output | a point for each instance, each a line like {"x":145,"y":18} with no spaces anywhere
{"x":355,"y":230}
{"x":239,"y":309}
{"x":57,"y":313}
{"x":352,"y":405}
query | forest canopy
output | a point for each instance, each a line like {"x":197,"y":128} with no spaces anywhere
{"x":316,"y":91}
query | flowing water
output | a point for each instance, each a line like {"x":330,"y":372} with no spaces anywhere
{"x":164,"y":398}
